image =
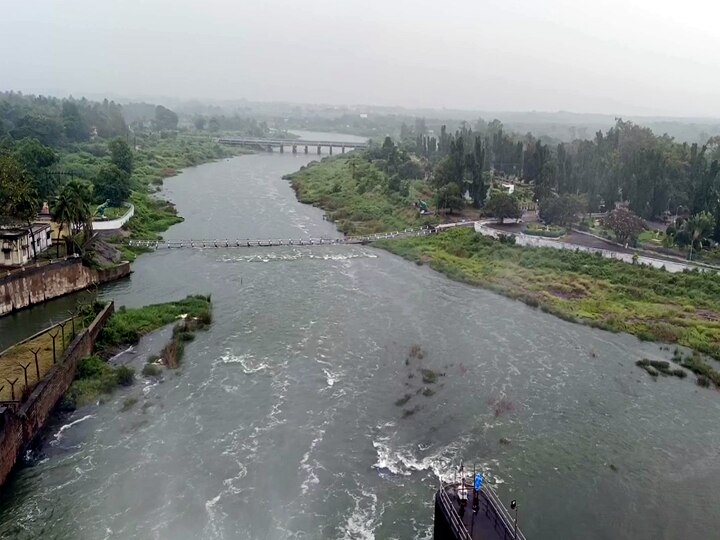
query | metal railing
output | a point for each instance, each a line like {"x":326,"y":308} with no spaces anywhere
{"x":457,"y":526}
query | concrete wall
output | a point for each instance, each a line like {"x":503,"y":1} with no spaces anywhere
{"x":113,"y":224}
{"x":36,"y":285}
{"x":19,"y":427}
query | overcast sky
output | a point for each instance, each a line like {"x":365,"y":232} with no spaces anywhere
{"x":614,"y":56}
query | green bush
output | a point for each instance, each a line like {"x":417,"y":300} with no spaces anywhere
{"x":95,"y":378}
{"x":151,"y":370}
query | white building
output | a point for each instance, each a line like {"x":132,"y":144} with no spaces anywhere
{"x":16,"y":243}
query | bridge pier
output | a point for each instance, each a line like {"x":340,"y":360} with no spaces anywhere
{"x":294,"y":148}
{"x":331,"y":150}
{"x":318,"y":149}
{"x":282,"y":148}
{"x":306,"y":148}
{"x":343,"y":148}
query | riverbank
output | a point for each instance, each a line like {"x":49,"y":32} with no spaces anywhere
{"x":649,"y":303}
{"x":355,"y":195}
{"x":98,"y":378}
{"x":21,"y":422}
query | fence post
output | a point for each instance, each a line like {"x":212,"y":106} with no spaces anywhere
{"x":12,"y":388}
{"x":37,"y":364}
{"x":25,"y":368}
{"x":53,"y":336}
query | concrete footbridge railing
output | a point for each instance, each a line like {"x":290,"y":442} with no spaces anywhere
{"x":276,"y":242}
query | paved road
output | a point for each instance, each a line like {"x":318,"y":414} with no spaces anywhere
{"x":521,"y":239}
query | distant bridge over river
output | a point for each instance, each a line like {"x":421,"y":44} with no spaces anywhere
{"x":270,"y":144}
{"x":276,"y":242}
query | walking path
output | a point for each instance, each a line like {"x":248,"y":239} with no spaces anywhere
{"x":522,"y":239}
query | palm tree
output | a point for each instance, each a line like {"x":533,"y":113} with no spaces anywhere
{"x":74,"y":209}
{"x":63,"y":212}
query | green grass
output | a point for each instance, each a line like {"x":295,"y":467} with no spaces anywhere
{"x":649,"y":303}
{"x":356,"y":197}
{"x":127,"y":326}
{"x":94,"y":379}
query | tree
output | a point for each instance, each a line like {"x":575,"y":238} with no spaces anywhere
{"x":449,"y":197}
{"x":36,"y":158}
{"x":112,"y":184}
{"x":626,"y":225}
{"x":503,"y":205}
{"x":75,"y":127}
{"x":696,"y":232}
{"x":76,"y":196}
{"x":562,"y":210}
{"x":165,"y":118}
{"x":121,"y":155}
{"x":199,"y":122}
{"x":21,"y":197}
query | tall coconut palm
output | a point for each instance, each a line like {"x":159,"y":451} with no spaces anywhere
{"x":73,"y":207}
{"x":63,"y":213}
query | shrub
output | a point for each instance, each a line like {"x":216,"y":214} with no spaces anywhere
{"x":125,"y":375}
{"x":151,"y":370}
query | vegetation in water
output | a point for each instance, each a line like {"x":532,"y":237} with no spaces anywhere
{"x":128,"y":403}
{"x":660,"y":367}
{"x":95,"y":379}
{"x":650,"y":303}
{"x":127,"y":326}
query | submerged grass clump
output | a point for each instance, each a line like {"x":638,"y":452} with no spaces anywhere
{"x":655,"y":367}
{"x":428,"y":376}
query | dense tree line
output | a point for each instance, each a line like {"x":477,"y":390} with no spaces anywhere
{"x":56,"y":122}
{"x":655,"y":175}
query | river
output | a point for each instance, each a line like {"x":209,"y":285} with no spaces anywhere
{"x":283,"y":423}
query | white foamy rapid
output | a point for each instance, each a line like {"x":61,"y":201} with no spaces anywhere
{"x":59,"y":434}
{"x":247,"y":361}
{"x":361,"y":523}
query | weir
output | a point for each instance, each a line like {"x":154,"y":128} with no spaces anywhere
{"x":277,"y":242}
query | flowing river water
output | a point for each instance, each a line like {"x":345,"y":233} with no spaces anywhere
{"x":283,"y":422}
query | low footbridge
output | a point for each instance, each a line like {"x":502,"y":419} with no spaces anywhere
{"x":275,"y":242}
{"x":270,"y":144}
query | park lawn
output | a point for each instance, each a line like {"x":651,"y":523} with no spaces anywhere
{"x":355,"y":195}
{"x":649,"y":303}
{"x":12,"y":359}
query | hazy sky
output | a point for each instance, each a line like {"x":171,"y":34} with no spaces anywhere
{"x":615,"y":56}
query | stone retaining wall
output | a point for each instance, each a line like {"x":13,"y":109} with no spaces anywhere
{"x":35,"y":285}
{"x":19,"y":426}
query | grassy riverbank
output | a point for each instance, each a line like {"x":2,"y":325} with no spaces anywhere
{"x":649,"y":303}
{"x":97,"y":378}
{"x":356,"y":195}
